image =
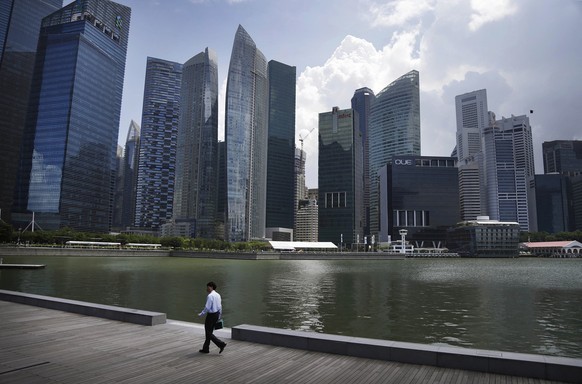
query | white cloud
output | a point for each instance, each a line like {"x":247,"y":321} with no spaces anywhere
{"x":397,"y":12}
{"x":356,"y":63}
{"x":487,"y":11}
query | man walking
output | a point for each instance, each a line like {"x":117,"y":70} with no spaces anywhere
{"x":213,"y":312}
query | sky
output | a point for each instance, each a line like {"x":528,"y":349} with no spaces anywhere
{"x":526,"y":53}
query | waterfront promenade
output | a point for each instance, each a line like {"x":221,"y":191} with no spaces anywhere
{"x":40,"y":345}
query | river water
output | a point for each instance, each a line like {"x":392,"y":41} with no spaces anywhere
{"x":523,"y":305}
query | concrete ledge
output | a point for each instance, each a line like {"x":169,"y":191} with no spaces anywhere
{"x":505,"y":363}
{"x":110,"y":312}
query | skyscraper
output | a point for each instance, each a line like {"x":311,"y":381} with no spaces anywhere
{"x":509,"y":168}
{"x":19,"y":31}
{"x":195,"y":196}
{"x":563,"y":156}
{"x":472,"y":119}
{"x":129,"y":181}
{"x":67,"y":167}
{"x":281,"y":153}
{"x":246,"y":135}
{"x":394,"y":129}
{"x":361,"y":102}
{"x":341,"y":199}
{"x":157,"y":147}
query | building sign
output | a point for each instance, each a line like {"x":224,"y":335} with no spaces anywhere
{"x":403,"y":162}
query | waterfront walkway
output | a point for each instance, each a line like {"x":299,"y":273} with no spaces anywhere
{"x":39,"y":345}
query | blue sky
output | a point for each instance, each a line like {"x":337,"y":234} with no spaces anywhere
{"x":526,"y":53}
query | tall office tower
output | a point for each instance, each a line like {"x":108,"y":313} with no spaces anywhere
{"x":361,"y":102}
{"x":129,"y":181}
{"x":472,"y":119}
{"x":281,"y":154}
{"x":157,"y":145}
{"x":563,"y":156}
{"x":67,"y":169}
{"x":509,"y":168}
{"x":222,"y":186}
{"x":195,"y":195}
{"x":19,"y":29}
{"x":118,"y":191}
{"x":300,"y":188}
{"x":306,"y":225}
{"x":246,"y":115}
{"x":394,"y":129}
{"x":341,"y":200}
{"x":550,"y":207}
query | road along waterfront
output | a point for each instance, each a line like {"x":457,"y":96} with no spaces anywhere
{"x":523,"y":305}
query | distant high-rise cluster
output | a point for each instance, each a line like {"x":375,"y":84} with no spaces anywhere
{"x":61,"y":82}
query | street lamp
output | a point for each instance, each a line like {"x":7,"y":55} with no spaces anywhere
{"x":403,"y":233}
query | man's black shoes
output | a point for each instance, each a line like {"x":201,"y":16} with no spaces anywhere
{"x":222,"y":348}
{"x":203,"y":351}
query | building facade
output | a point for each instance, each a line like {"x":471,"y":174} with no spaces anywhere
{"x":19,"y":31}
{"x":484,"y":237}
{"x":509,"y":169}
{"x":67,"y":168}
{"x":129,"y":180}
{"x":156,"y":170}
{"x":394,"y":129}
{"x":195,"y":195}
{"x":421,"y":195}
{"x":280,"y":207}
{"x":340,"y":178}
{"x":563,"y":156}
{"x":306,"y":226}
{"x":472,"y":119}
{"x":246,"y":137}
{"x":361,"y":102}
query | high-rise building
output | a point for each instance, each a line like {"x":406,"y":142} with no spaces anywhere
{"x":157,"y":146}
{"x":195,"y":196}
{"x":563,"y":156}
{"x":281,"y":154}
{"x":306,"y":225}
{"x":129,"y":181}
{"x":394,"y":129}
{"x":19,"y":30}
{"x":117,"y":210}
{"x":472,"y":119}
{"x":246,"y":135}
{"x":67,"y":168}
{"x":509,"y":169}
{"x":361,"y":102}
{"x":340,"y":176}
{"x":424,"y":209}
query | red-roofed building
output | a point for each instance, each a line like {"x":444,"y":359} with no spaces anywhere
{"x":555,"y":248}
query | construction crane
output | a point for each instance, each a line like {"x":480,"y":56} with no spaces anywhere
{"x":303,"y":138}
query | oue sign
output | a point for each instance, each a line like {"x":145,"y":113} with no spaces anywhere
{"x":403,"y":162}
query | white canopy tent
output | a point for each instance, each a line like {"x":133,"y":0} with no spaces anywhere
{"x":294,"y":246}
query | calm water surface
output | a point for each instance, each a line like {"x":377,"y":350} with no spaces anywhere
{"x":520,"y":305}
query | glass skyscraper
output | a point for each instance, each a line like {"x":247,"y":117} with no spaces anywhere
{"x":195,"y":197}
{"x":157,"y":148}
{"x":563,"y":156}
{"x":67,"y":168}
{"x":361,"y":102}
{"x":246,"y":135}
{"x":19,"y":30}
{"x":394,"y":129}
{"x":509,"y":169}
{"x":129,"y":177}
{"x":340,"y":178}
{"x":281,"y":153}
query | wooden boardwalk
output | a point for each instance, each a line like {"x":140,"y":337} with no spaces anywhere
{"x":40,"y":345}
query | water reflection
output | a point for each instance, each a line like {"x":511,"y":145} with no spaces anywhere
{"x":521,"y":305}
